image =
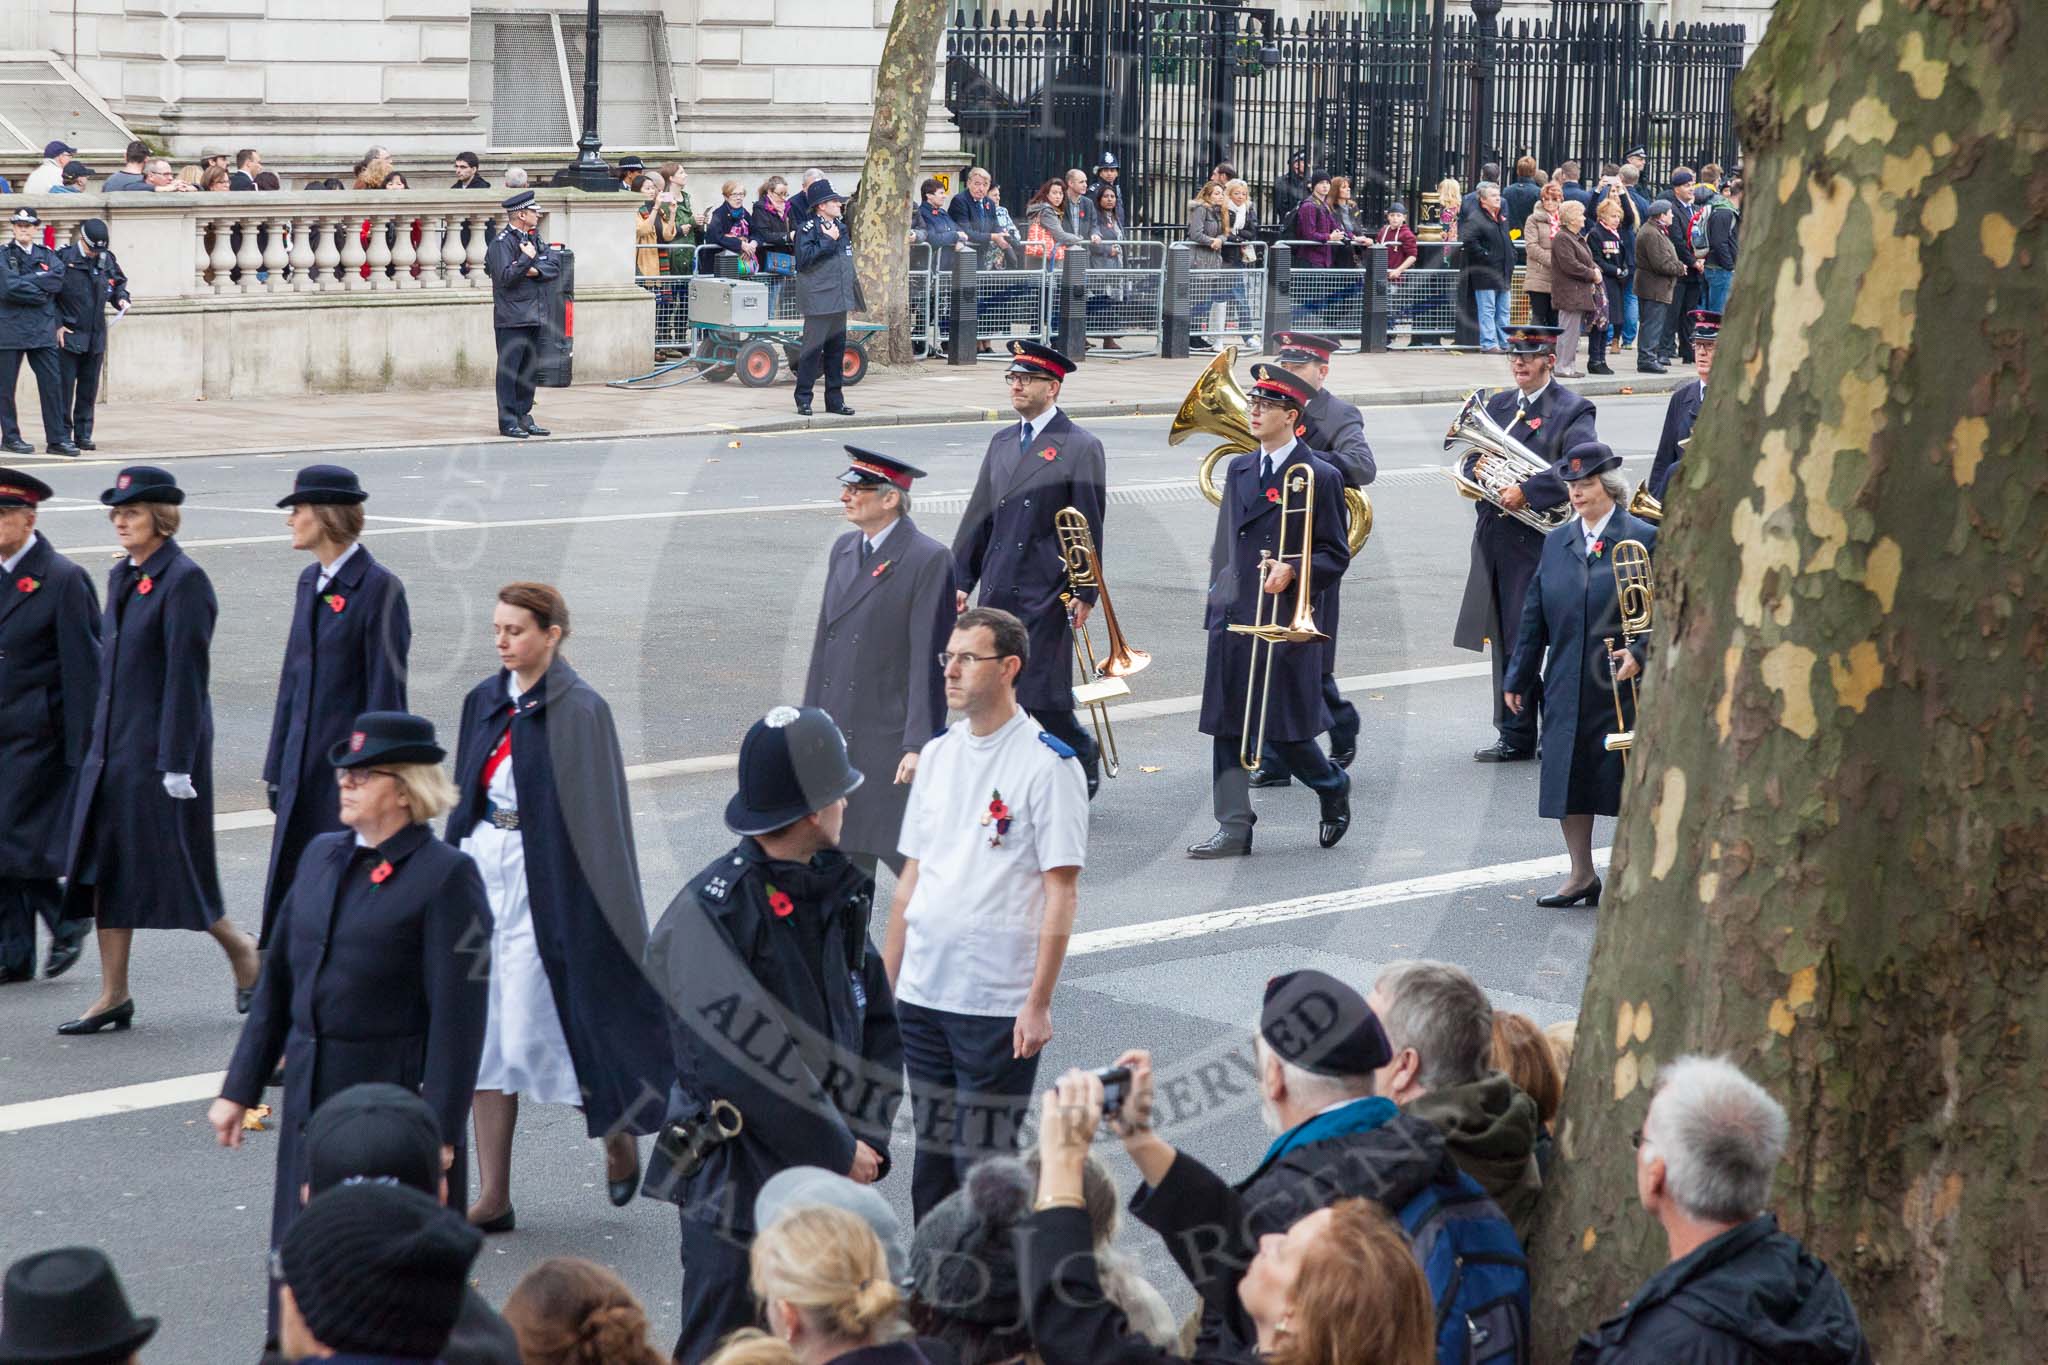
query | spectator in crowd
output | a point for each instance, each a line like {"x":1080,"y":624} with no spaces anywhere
{"x":214,"y":179}
{"x":67,"y":1307}
{"x":1240,"y":225}
{"x":1658,"y":274}
{"x":802,"y":199}
{"x":1567,"y":176}
{"x":1691,"y":290}
{"x":209,"y":157}
{"x":373,"y":1270}
{"x":1614,"y":253}
{"x":1518,"y":199}
{"x":1399,"y":240}
{"x":50,"y":173}
{"x":1539,"y":230}
{"x":1449,"y":196}
{"x":157,"y":175}
{"x":1575,"y":290}
{"x":798,"y":1187}
{"x":1488,"y":262}
{"x":629,"y":169}
{"x":190,"y":176}
{"x":76,"y":174}
{"x":1339,"y":1283}
{"x":1631,"y":178}
{"x":1107,"y":172}
{"x":1562,"y":1036}
{"x":932,"y":225}
{"x":646,"y":254}
{"x":1489,"y":172}
{"x":248,"y":165}
{"x":371,"y":175}
{"x":396,"y":181}
{"x":267,"y":180}
{"x":567,"y":1311}
{"x":963,"y":1267}
{"x":1634,"y":207}
{"x":974,"y":209}
{"x":515,"y":177}
{"x":1046,"y":235}
{"x":1288,"y":191}
{"x":1344,"y":208}
{"x":1315,"y":226}
{"x":1006,"y":226}
{"x":1439,"y":1027}
{"x":823,"y":1281}
{"x":469,"y":173}
{"x":730,"y":229}
{"x":1736,"y":1289}
{"x":1223,"y":173}
{"x":1723,"y":220}
{"x":677,"y":224}
{"x":774,"y":219}
{"x":1205,"y":235}
{"x":1524,"y":1056}
{"x":1079,"y":214}
{"x":130,"y":176}
{"x":1105,"y":248}
{"x":1123,"y":1283}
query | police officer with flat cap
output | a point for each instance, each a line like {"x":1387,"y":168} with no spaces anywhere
{"x":30,"y":278}
{"x":1008,"y":542}
{"x":887,"y":610}
{"x":49,"y":679}
{"x":783,"y":1026}
{"x":1549,"y":419}
{"x":1251,"y":521}
{"x":520,"y":266}
{"x":92,"y":280}
{"x":1335,"y":430}
{"x":1683,"y":411}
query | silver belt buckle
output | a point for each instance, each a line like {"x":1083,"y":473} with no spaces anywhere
{"x":504,"y":819}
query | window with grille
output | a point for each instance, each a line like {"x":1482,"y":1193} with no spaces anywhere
{"x":42,"y":101}
{"x":526,"y":78}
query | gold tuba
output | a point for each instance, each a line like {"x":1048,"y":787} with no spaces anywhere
{"x":1217,"y":407}
{"x":1268,"y":631}
{"x":1646,"y":506}
{"x":1102,"y":677}
{"x":1632,"y":595}
{"x":1489,"y":461}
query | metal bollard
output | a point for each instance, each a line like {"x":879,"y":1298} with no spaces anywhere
{"x":1073,"y":287}
{"x":1173,"y":303}
{"x":965,"y":284}
{"x":1374,"y":320}
{"x":1279,"y":306}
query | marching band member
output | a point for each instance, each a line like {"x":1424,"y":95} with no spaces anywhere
{"x":1008,"y":544}
{"x":1335,"y":430}
{"x":1686,"y":399}
{"x":1249,"y":521}
{"x":1572,"y":610}
{"x":344,"y":654}
{"x":1549,"y":419}
{"x":887,"y":610}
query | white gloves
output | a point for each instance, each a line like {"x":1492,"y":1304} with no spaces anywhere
{"x":179,"y":786}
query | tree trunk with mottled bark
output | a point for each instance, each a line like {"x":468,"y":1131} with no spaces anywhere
{"x":1832,"y":864}
{"x":888,"y":181}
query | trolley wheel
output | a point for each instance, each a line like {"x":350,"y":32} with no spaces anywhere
{"x":757,"y":364}
{"x":714,"y":366}
{"x":854,"y":367}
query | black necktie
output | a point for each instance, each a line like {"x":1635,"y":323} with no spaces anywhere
{"x":1023,"y":438}
{"x":867,"y":551}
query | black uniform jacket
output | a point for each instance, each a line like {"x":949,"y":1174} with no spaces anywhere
{"x":1570,"y":611}
{"x":825,"y":282}
{"x":89,"y":285}
{"x":583,"y":878}
{"x":49,"y":678}
{"x":1007,"y":543}
{"x":153,"y":716}
{"x":1679,"y":417}
{"x":344,"y":654}
{"x":1335,"y":429}
{"x":1504,"y":551}
{"x":874,"y":668}
{"x":780,"y":1005}
{"x":1248,"y":522}
{"x":517,"y":299}
{"x":29,"y":281}
{"x":369,"y":980}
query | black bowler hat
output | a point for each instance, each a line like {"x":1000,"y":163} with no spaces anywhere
{"x":143,"y":483}
{"x":1301,"y":346}
{"x":387,"y":737}
{"x":1031,"y":357}
{"x":513,"y":202}
{"x":1530,"y":339}
{"x":27,"y":216}
{"x":375,"y":1133}
{"x":1314,"y":1021}
{"x":793,"y":762}
{"x":1587,"y":459}
{"x":66,"y":1307}
{"x":871,"y":467}
{"x":1276,"y":385}
{"x":324,"y":483}
{"x":1706,"y":325}
{"x":22,"y":490}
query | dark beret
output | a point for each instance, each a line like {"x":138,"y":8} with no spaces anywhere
{"x":1316,"y":1022}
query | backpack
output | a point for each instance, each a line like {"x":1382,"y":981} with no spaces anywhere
{"x":1477,"y":1273}
{"x":1699,"y":226}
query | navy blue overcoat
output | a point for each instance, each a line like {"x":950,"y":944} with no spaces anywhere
{"x":1680,"y":416}
{"x":344,"y":654}
{"x":1571,"y":609}
{"x":49,"y":678}
{"x":583,"y":878}
{"x":1335,"y":429}
{"x":1248,"y":522}
{"x":138,"y":857}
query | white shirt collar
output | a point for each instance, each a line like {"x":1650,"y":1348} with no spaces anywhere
{"x":1276,"y":459}
{"x":874,"y":541}
{"x":1040,"y":423}
{"x":327,"y":573}
{"x":9,"y":564}
{"x":1593,"y":531}
{"x":1528,"y":400}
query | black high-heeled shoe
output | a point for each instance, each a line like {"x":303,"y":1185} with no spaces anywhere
{"x":622,"y":1191}
{"x":504,"y":1222}
{"x":1588,"y":895}
{"x":118,"y":1018}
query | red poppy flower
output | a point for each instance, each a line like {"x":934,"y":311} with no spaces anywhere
{"x":335,"y":601}
{"x":780,"y":903}
{"x":999,"y":810}
{"x":1535,"y":422}
{"x":146,"y":586}
{"x":1599,"y":546}
{"x":26,"y":584}
{"x":1049,"y":453}
{"x":380,"y":872}
{"x":1301,"y":430}
{"x":877,"y":571}
{"x":1272,"y":495}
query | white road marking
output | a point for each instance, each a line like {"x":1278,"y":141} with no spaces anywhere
{"x":1140,"y":710}
{"x":196,"y":1089}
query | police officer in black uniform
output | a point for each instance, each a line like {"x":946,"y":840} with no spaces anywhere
{"x":1335,"y":430}
{"x":784,"y":1029}
{"x":92,"y":280}
{"x":520,"y":265}
{"x":30,"y":278}
{"x":827,"y":290}
{"x":1684,"y":409}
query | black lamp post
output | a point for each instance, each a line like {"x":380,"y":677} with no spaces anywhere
{"x":588,"y":171}
{"x":1487,"y":12}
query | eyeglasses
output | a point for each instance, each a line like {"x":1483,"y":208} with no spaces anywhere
{"x":1261,"y":404}
{"x":356,"y":777}
{"x":1014,"y":380}
{"x":946,"y":659}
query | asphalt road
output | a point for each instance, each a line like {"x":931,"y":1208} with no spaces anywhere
{"x":693,"y":570}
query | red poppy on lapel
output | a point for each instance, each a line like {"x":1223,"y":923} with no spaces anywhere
{"x":998,"y":815}
{"x":1534,"y":422}
{"x":380,"y":873}
{"x":335,"y":601}
{"x":1049,"y":453}
{"x":779,"y":902}
{"x":1599,"y":547}
{"x":146,"y":586}
{"x":1301,"y":430}
{"x":876,"y":572}
{"x":1272,"y":495}
{"x":26,"y":584}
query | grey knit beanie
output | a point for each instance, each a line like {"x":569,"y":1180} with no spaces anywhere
{"x":379,"y":1269}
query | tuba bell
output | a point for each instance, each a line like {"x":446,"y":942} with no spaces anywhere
{"x":1646,"y":506}
{"x":1102,"y":676}
{"x":1489,"y":461}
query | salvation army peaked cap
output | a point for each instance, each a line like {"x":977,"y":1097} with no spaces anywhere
{"x":1034,"y":357}
{"x":1299,"y":346}
{"x":1314,"y":1021}
{"x":18,"y":489}
{"x":1276,"y":385}
{"x":870,"y":467}
{"x":792,"y":763}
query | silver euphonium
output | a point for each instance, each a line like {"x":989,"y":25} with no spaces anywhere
{"x":1487,"y":461}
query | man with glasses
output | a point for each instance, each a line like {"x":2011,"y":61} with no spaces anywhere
{"x":887,"y":610}
{"x":1008,"y":543}
{"x":994,"y":840}
{"x":158,"y":177}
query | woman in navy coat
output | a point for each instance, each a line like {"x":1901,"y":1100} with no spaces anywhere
{"x":542,"y":807}
{"x":381,"y":966}
{"x":1571,"y":611}
{"x":344,"y":654}
{"x":141,"y":851}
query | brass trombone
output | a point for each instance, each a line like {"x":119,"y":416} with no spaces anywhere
{"x":1297,"y":500}
{"x":1102,"y":677}
{"x":1632,"y":594}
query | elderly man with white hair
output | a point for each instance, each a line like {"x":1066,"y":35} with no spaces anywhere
{"x":1737,"y":1290}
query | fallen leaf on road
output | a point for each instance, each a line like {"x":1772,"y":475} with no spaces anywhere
{"x":252,"y":1119}
{"x":1628,"y":388}
{"x":1375,"y":696}
{"x":732,"y":445}
{"x":1143,"y":769}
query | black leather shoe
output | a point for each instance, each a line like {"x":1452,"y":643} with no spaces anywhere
{"x":1222,"y":844}
{"x":1602,"y":368}
{"x":803,"y":409}
{"x":65,"y":947}
{"x":1336,"y":816}
{"x":1500,"y":751}
{"x":1271,"y":777}
{"x":622,"y":1191}
{"x":243,"y":995}
{"x":504,"y":1222}
{"x":85,"y":443}
{"x":534,"y":428}
{"x":12,"y":977}
{"x":117,"y":1018}
{"x":61,"y":448}
{"x":1343,"y":756}
{"x":1589,"y":895}
{"x":516,"y":433}
{"x":18,"y":446}
{"x":1651,"y":369}
{"x":839,"y":410}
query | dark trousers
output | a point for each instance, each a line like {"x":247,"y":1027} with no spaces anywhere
{"x":715,"y":1300}
{"x":824,"y":350}
{"x":43,"y":360}
{"x":518,"y":367}
{"x":78,"y":391}
{"x":1231,"y":785}
{"x":1650,"y":336}
{"x":23,"y":900}
{"x":1344,"y":724}
{"x":1540,"y":310}
{"x":968,"y":1095}
{"x":1067,"y":727}
{"x":1517,"y":732}
{"x":1678,"y":328}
